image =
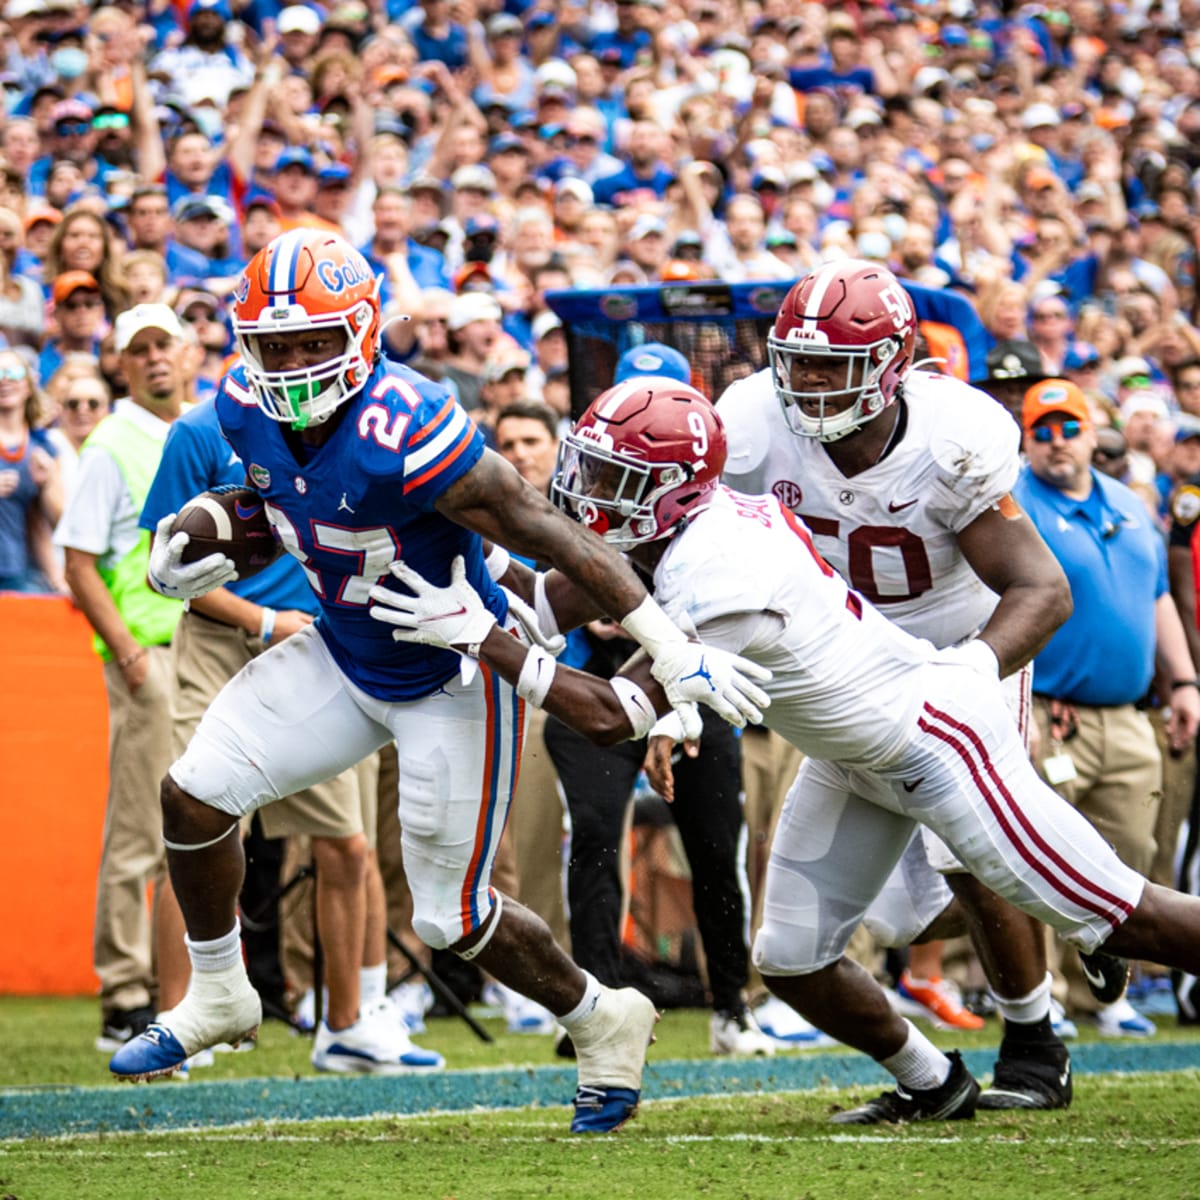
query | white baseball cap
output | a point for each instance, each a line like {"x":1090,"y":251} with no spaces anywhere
{"x":144,"y":316}
{"x":544,"y":323}
{"x":298,"y":18}
{"x":472,"y":306}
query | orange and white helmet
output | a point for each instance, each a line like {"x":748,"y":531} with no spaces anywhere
{"x":307,"y":279}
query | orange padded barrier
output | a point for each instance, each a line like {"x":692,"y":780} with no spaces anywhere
{"x":54,"y":747}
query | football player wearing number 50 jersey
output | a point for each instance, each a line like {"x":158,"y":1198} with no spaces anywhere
{"x":369,"y":470}
{"x":901,"y":734}
{"x":903,"y":477}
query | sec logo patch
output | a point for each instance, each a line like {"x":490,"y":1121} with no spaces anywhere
{"x":787,"y":493}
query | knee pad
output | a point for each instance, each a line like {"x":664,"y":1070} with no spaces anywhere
{"x":442,"y":930}
{"x":773,"y":954}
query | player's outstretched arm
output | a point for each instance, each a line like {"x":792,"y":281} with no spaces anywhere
{"x":495,"y":502}
{"x":1006,"y":551}
{"x":455,"y":618}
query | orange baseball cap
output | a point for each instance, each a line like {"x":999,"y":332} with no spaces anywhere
{"x":1054,"y":396}
{"x":1037,"y":178}
{"x":42,"y":213}
{"x":72,"y":281}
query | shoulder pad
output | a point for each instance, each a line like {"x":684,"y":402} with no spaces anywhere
{"x":745,"y":408}
{"x":973,"y":441}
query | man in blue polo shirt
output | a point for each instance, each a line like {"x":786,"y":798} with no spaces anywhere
{"x":1098,"y":748}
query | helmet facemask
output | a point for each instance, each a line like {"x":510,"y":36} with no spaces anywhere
{"x":839,"y":411}
{"x":306,"y":396}
{"x":613,"y":494}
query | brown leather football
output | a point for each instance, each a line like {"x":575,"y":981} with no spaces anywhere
{"x":231,"y":521}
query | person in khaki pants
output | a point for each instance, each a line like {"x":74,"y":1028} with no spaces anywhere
{"x":1098,"y":748}
{"x":106,"y":560}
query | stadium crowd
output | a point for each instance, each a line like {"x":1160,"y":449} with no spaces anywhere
{"x":1041,"y":160}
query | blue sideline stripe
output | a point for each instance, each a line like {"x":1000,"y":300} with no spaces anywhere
{"x":50,"y":1112}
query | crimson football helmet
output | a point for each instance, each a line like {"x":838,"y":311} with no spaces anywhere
{"x":643,"y":460}
{"x":851,"y":311}
{"x":307,"y":279}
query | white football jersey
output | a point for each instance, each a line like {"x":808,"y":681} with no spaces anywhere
{"x":889,"y":530}
{"x":748,"y":555}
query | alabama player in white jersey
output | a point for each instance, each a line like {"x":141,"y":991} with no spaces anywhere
{"x":904,"y":733}
{"x":904,"y":477}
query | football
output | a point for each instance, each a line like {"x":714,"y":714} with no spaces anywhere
{"x":231,"y":521}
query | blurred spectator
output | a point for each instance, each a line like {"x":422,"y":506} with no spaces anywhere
{"x":473,"y":329}
{"x":31,"y":488}
{"x":82,"y":241}
{"x":78,"y":399}
{"x":79,"y":318}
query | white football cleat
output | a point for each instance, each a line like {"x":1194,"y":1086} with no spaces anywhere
{"x":377,"y":1044}
{"x":737,"y":1033}
{"x":785,"y":1026}
{"x":213,"y":1011}
{"x":610,"y":1045}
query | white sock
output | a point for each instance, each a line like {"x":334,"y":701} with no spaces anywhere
{"x":918,"y":1065}
{"x":1026,"y":1010}
{"x":218,"y":955}
{"x":586,"y":1006}
{"x":372,"y":982}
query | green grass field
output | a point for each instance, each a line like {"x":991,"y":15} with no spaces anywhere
{"x":1127,"y":1135}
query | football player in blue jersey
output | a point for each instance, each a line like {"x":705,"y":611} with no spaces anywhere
{"x":363,"y":463}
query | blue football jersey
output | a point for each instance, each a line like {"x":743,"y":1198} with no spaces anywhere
{"x":363,"y":499}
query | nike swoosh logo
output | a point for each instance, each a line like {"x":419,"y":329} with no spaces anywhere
{"x":1064,"y":1078}
{"x":912,"y":787}
{"x":246,"y":513}
{"x":893,"y":507}
{"x":1095,"y":977}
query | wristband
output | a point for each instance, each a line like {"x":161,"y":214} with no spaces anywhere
{"x":650,"y":627}
{"x":1182,"y":683}
{"x":266,"y":628}
{"x":547,"y":621}
{"x":130,"y":659}
{"x":497,"y":562}
{"x":636,"y":705}
{"x":537,"y":674}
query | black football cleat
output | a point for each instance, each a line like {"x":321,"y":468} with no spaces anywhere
{"x":1029,"y":1075}
{"x":953,"y":1100}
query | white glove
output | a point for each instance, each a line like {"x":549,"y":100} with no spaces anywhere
{"x":552,"y":643}
{"x":691,"y":672}
{"x":451,"y":618}
{"x":976,"y":654}
{"x":172,"y":577}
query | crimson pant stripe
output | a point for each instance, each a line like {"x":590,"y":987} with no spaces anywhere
{"x":1104,"y":903}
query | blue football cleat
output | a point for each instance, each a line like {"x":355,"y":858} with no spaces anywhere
{"x":603,"y":1110}
{"x":155,"y":1051}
